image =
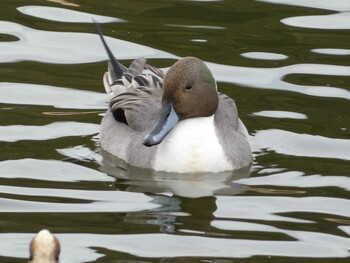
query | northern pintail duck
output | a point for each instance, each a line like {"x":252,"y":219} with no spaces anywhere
{"x":173,"y":122}
{"x":44,"y":248}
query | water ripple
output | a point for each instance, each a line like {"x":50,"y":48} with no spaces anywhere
{"x":333,"y":21}
{"x":290,"y":207}
{"x":14,"y":133}
{"x":44,"y":95}
{"x":81,"y":201}
{"x":63,"y":2}
{"x":197,"y":26}
{"x":332,"y":51}
{"x":264,"y":56}
{"x":290,"y":143}
{"x":270,"y":208}
{"x":299,"y":179}
{"x":64,"y":15}
{"x":272,"y":78}
{"x":50,"y":170}
{"x":336,"y":5}
{"x":81,"y":153}
{"x":280,"y":114}
{"x":186,"y":185}
{"x":65,"y":47}
{"x":335,"y":243}
{"x":78,"y":247}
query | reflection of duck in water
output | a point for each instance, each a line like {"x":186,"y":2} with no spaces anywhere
{"x":191,"y":185}
{"x":44,"y":248}
{"x":176,"y":122}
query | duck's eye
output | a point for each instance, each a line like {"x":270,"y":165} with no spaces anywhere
{"x":188,"y":87}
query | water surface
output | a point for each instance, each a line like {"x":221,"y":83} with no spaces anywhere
{"x":286,"y":64}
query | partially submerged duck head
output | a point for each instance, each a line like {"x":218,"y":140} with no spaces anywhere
{"x":44,"y":248}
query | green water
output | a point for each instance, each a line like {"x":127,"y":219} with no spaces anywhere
{"x":292,"y":94}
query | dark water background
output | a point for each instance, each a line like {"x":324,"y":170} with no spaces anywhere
{"x":287,"y":65}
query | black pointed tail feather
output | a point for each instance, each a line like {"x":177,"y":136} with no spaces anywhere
{"x":117,"y":67}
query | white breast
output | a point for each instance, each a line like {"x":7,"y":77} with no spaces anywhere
{"x":192,"y":146}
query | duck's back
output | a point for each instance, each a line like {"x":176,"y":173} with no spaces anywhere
{"x":134,"y":100}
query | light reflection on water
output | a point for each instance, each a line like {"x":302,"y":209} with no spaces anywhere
{"x":58,"y":171}
{"x":300,"y":180}
{"x":65,"y":47}
{"x":333,"y":21}
{"x":286,"y":142}
{"x":58,"y":97}
{"x":332,"y":51}
{"x":185,"y":185}
{"x":336,"y":5}
{"x":280,"y":114}
{"x":264,"y":56}
{"x":78,"y":246}
{"x":292,"y":203}
{"x":271,"y":208}
{"x":273,"y":78}
{"x":64,"y":15}
{"x":13,"y":133}
{"x":87,"y":201}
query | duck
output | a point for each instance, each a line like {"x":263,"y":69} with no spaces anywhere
{"x":44,"y":248}
{"x":174,"y":122}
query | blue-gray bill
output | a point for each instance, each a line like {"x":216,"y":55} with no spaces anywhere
{"x":167,"y":120}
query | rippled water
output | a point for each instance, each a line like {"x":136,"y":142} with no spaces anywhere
{"x":285,"y":62}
